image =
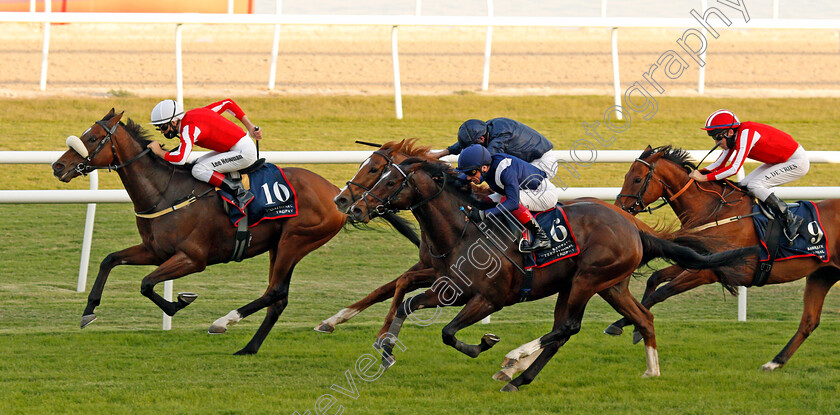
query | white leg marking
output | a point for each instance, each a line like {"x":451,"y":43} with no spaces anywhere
{"x":525,"y":350}
{"x":342,"y":316}
{"x":652,"y":357}
{"x":230,"y":319}
{"x":770,"y":366}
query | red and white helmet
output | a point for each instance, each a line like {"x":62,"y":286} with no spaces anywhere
{"x":721,"y":119}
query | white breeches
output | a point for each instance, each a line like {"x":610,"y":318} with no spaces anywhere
{"x":240,"y":156}
{"x":547,"y":163}
{"x":537,"y":200}
{"x":760,"y":180}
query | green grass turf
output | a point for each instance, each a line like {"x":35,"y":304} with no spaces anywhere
{"x":124,"y":363}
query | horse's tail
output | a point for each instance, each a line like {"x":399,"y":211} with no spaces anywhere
{"x":403,"y":227}
{"x":683,"y":249}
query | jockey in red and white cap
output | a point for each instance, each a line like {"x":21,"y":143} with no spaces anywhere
{"x":784,"y":160}
{"x":232,"y":148}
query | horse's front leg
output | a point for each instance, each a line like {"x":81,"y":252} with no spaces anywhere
{"x":378,"y":295}
{"x":387,"y":341}
{"x":407,"y":283}
{"x":476,"y":309}
{"x":135,"y":255}
{"x":175,"y":267}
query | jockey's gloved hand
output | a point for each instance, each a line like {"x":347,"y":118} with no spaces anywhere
{"x":474,"y":214}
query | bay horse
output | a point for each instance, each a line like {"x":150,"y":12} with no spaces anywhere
{"x":611,"y":249}
{"x":662,"y":172}
{"x":422,"y":274}
{"x":195,"y":230}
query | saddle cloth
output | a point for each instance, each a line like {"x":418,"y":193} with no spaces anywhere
{"x":274,"y":197}
{"x":811,"y":239}
{"x":563,"y":243}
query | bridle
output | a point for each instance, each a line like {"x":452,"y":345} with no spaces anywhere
{"x":85,"y":167}
{"x":384,"y":204}
{"x":639,"y":202}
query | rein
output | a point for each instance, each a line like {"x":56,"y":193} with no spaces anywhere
{"x":84,"y":168}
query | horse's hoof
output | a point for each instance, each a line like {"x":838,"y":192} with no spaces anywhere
{"x":87,"y":319}
{"x":508,"y":362}
{"x":770,"y":366}
{"x":387,"y":362}
{"x":324,"y":328}
{"x":216,"y":330}
{"x":509,"y":388}
{"x":637,"y":337}
{"x":245,"y":352}
{"x":187,"y":298}
{"x":614,"y":330}
{"x":490,"y":340}
{"x":502,"y":376}
{"x":650,"y":375}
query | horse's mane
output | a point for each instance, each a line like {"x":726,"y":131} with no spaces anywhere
{"x":140,"y":134}
{"x":675,"y":154}
{"x":464,"y":189}
{"x":408,"y":147}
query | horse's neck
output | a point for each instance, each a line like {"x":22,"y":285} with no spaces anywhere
{"x":144,"y":179}
{"x":696,"y":206}
{"x":441,"y":221}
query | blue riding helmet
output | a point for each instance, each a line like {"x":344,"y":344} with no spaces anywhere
{"x":470,"y":131}
{"x":472,"y":158}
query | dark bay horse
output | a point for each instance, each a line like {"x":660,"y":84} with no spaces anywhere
{"x":187,"y":240}
{"x":663,"y":173}
{"x":484,"y":282}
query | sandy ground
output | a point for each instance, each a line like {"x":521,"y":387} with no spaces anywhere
{"x":95,"y":60}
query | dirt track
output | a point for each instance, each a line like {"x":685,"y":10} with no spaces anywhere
{"x":93,"y":60}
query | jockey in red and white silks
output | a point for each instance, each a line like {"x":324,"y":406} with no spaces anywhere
{"x":784,"y":159}
{"x":232,"y":148}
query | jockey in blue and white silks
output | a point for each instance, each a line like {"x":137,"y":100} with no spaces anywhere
{"x":519,"y":186}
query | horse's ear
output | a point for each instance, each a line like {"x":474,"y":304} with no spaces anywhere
{"x":109,"y":114}
{"x":648,"y":148}
{"x":116,"y":118}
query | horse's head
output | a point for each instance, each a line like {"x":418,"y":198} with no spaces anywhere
{"x":373,"y":168}
{"x":407,"y":185}
{"x":93,"y":149}
{"x":644,"y":183}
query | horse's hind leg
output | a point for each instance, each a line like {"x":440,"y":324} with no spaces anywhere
{"x":176,"y":266}
{"x":816,"y":287}
{"x":654,"y":281}
{"x":623,"y":302}
{"x":135,"y":255}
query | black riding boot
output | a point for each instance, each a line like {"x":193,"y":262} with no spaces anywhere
{"x":792,"y":222}
{"x":539,"y":240}
{"x":242,"y":195}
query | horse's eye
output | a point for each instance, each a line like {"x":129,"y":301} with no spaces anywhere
{"x":373,"y":171}
{"x":92,"y":139}
{"x":391,"y":183}
{"x":637,"y":180}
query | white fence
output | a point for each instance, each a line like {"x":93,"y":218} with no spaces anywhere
{"x":94,"y":195}
{"x":613,"y":23}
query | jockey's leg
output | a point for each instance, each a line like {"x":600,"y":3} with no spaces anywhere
{"x":548,"y":164}
{"x":766,"y":176}
{"x":539,"y":240}
{"x":210,"y":168}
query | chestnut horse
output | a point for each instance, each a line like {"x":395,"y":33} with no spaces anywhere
{"x":611,"y":248}
{"x":199,"y":233}
{"x":663,"y":173}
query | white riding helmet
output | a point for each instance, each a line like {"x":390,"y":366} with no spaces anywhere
{"x":166,"y":111}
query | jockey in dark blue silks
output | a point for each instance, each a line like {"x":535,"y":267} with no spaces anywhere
{"x":519,"y":186}
{"x":504,"y":135}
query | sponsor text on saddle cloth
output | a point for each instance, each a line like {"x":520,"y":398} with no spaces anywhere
{"x":811,"y":240}
{"x":274,"y":197}
{"x":563,"y":243}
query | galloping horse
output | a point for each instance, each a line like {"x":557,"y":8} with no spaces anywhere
{"x":663,"y":173}
{"x":195,"y":230}
{"x":611,"y":248}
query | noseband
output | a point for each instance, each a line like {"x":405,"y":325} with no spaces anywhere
{"x":85,"y":167}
